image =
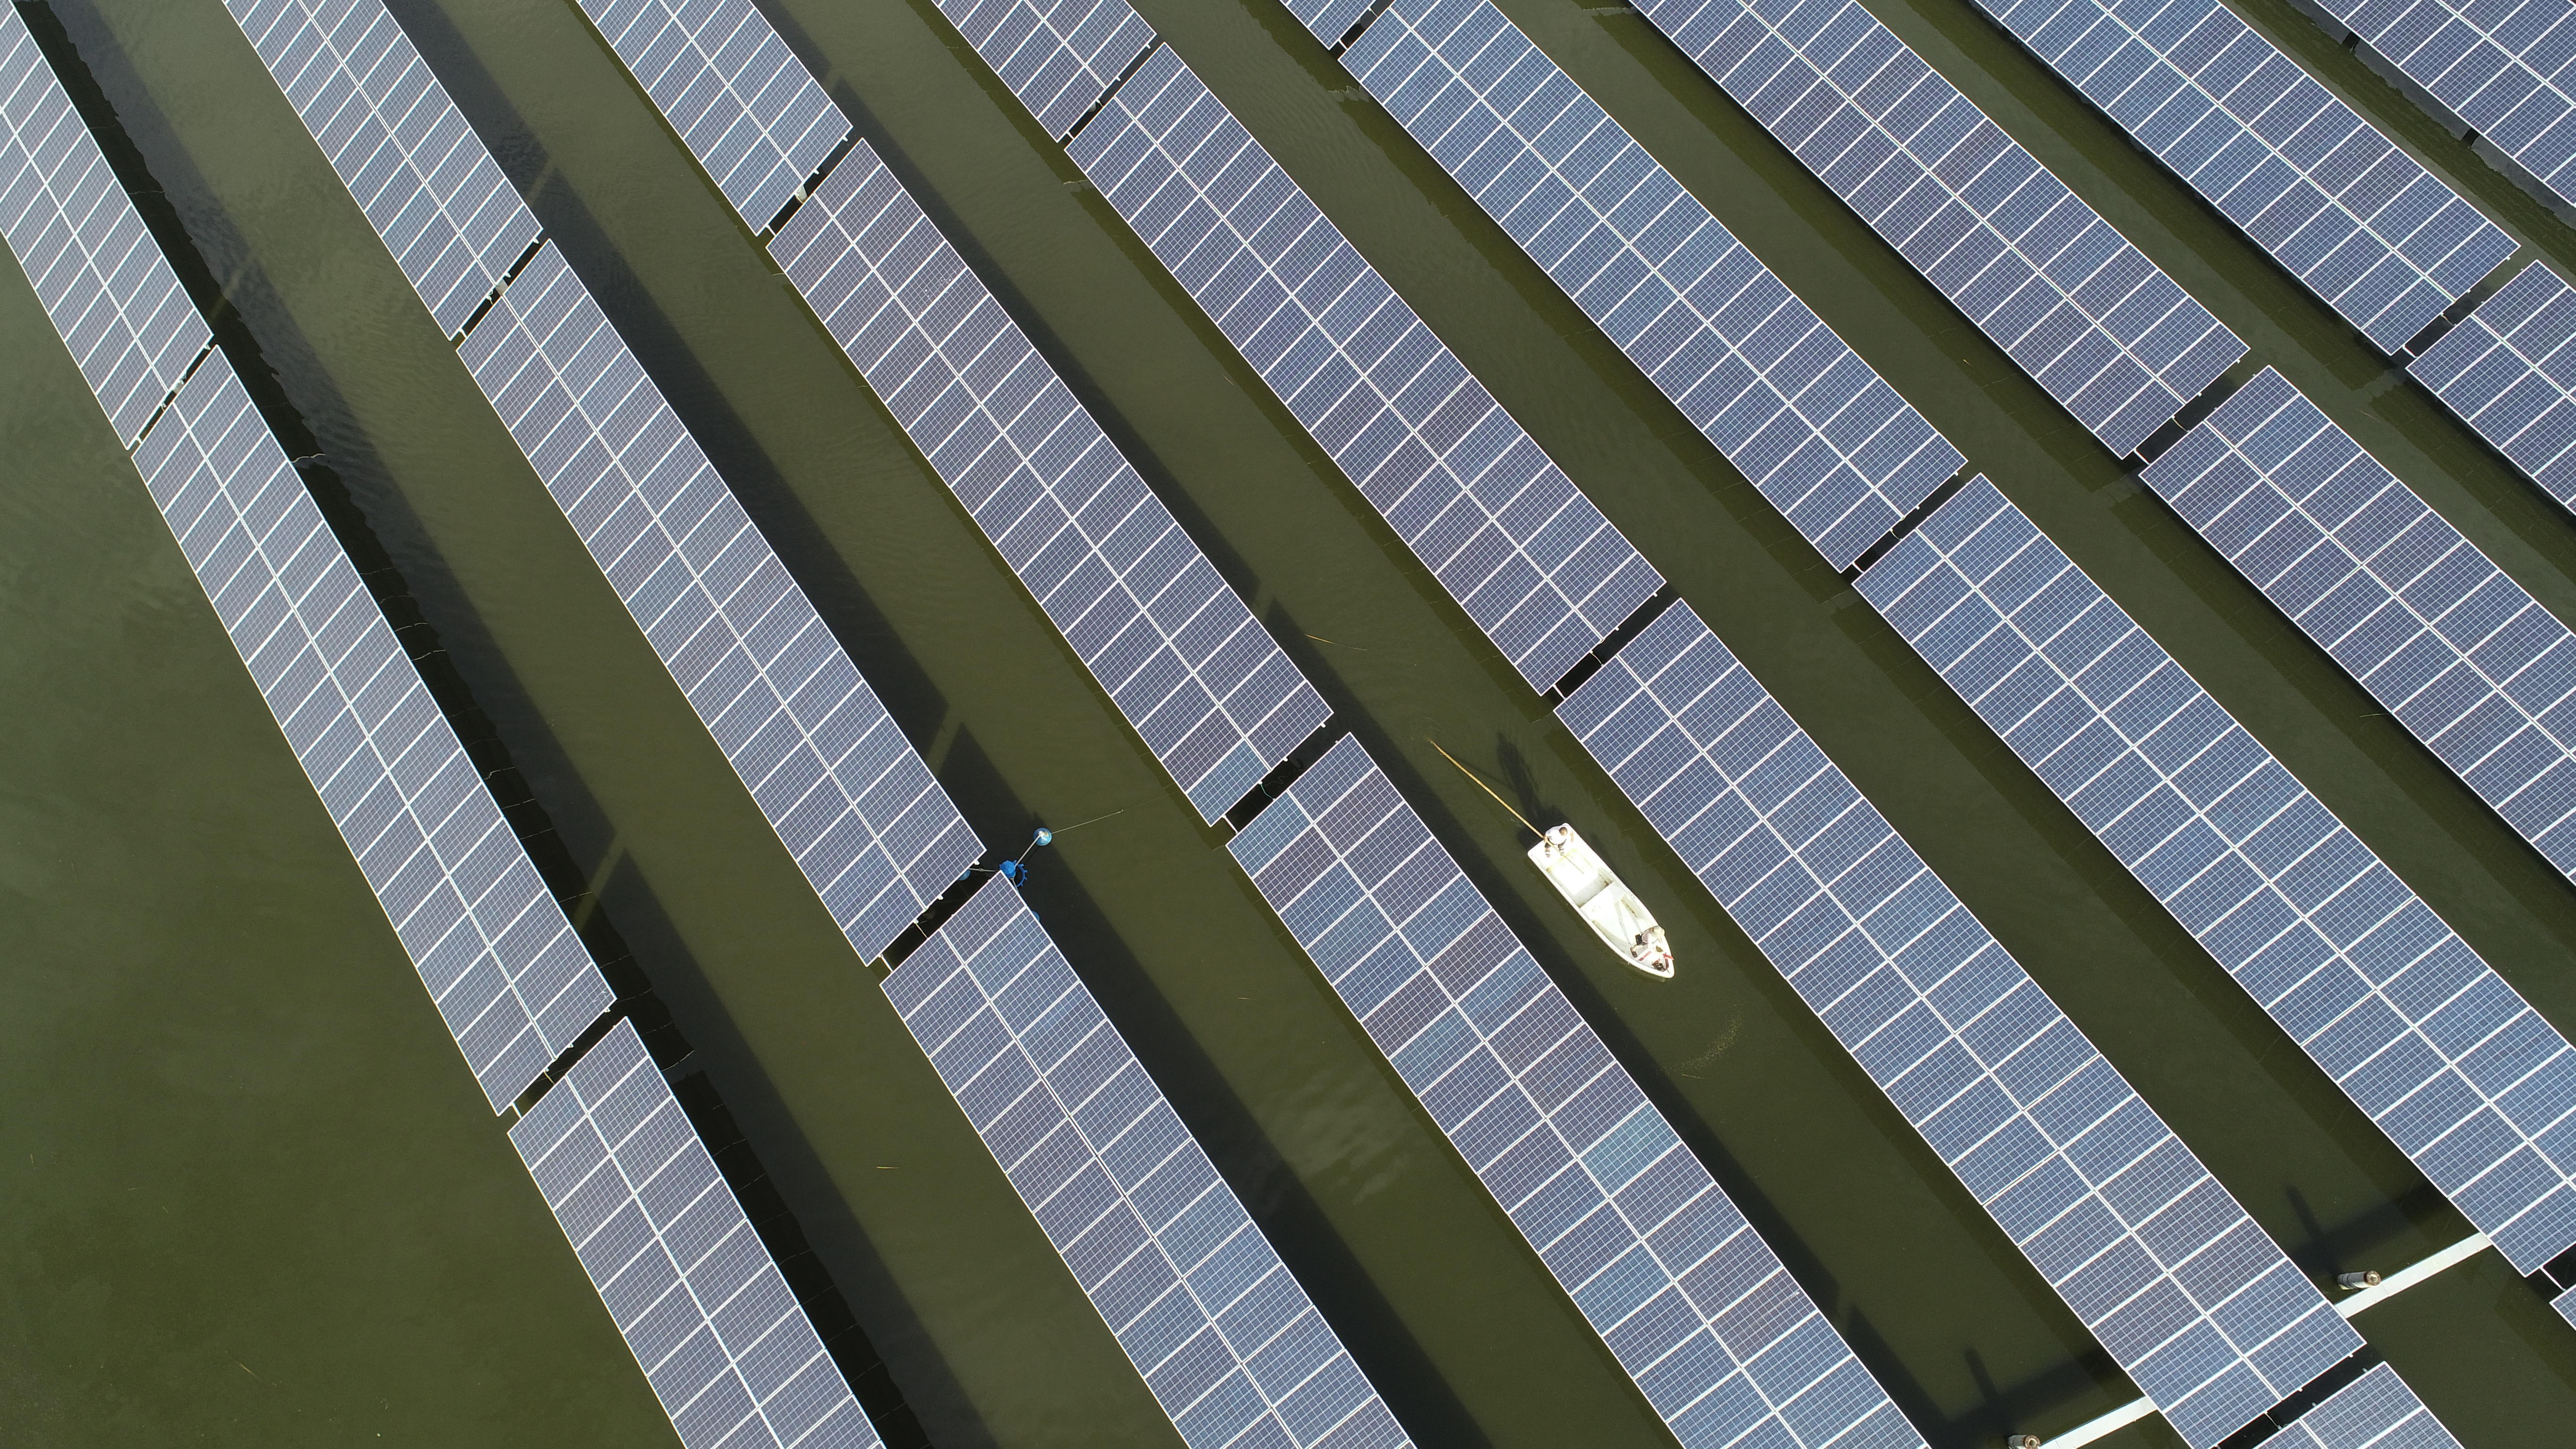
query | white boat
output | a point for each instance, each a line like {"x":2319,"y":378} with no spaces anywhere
{"x":1603,"y":900}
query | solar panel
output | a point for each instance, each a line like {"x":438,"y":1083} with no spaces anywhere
{"x":2471,"y":1083}
{"x":2375,"y":1411}
{"x":1820,"y":434}
{"x":733,"y":90}
{"x":2509,"y":371}
{"x":1696,"y":1307}
{"x":2105,"y":332}
{"x":2504,"y":69}
{"x":719,"y":1335}
{"x":1230,"y":1344}
{"x":1174,"y":646}
{"x":1058,"y":56}
{"x":111,"y":294}
{"x":2363,"y":224}
{"x":2565,"y":1303}
{"x":835,"y":777}
{"x":515,"y":986}
{"x":1529,"y":558}
{"x":1331,"y":19}
{"x":2187,"y":1293}
{"x":451,"y":219}
{"x":2457,"y":652}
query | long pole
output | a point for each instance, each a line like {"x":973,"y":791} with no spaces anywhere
{"x":1488,"y":789}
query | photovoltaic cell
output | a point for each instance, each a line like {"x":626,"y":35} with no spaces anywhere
{"x":1823,"y":437}
{"x":2506,"y":70}
{"x":444,"y":209}
{"x":1175,"y":647}
{"x":1529,"y":558}
{"x":1697,"y":1308}
{"x":2472,"y":1084}
{"x":1229,"y":1343}
{"x":1058,"y":56}
{"x":847,"y":793}
{"x":109,"y":290}
{"x":723,"y":1341}
{"x":2457,"y":652}
{"x":514,"y":984}
{"x":2188,"y":1294}
{"x":2330,"y":198}
{"x":2117,"y":342}
{"x":2508,"y":370}
{"x":2375,"y":1411}
{"x":2565,"y":1303}
{"x":733,"y":90}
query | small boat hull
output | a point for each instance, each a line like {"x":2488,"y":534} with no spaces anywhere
{"x":1605,"y":903}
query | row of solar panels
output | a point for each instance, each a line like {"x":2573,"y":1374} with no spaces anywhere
{"x":1462,"y":883}
{"x":1136,"y":1206}
{"x":697,"y":1294}
{"x":497,"y":954}
{"x":2460,"y":1072}
{"x":2500,"y":71}
{"x":1575,"y":1065}
{"x":2361,"y":223}
{"x":2329,"y":197}
{"x":2281,"y":1325}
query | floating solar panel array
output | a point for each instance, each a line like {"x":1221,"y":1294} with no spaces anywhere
{"x":513,"y":982}
{"x":1229,"y":1343}
{"x":729,"y":85}
{"x":2190,"y":1296}
{"x":2330,"y":198}
{"x":1823,"y":437}
{"x":432,"y":191}
{"x":1698,"y":1309}
{"x":835,"y":777}
{"x":2509,"y":371}
{"x":1175,"y":648}
{"x":1532,"y":561}
{"x":119,"y":307}
{"x":2374,"y":1411}
{"x":2457,"y":652}
{"x":1529,"y":558}
{"x":2505,"y":70}
{"x":2105,"y":332}
{"x":723,"y":1341}
{"x":1058,"y":56}
{"x":847,"y":793}
{"x":2471,"y":1083}
{"x":511,"y":979}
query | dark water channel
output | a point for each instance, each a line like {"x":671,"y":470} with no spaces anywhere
{"x":252,"y":1199}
